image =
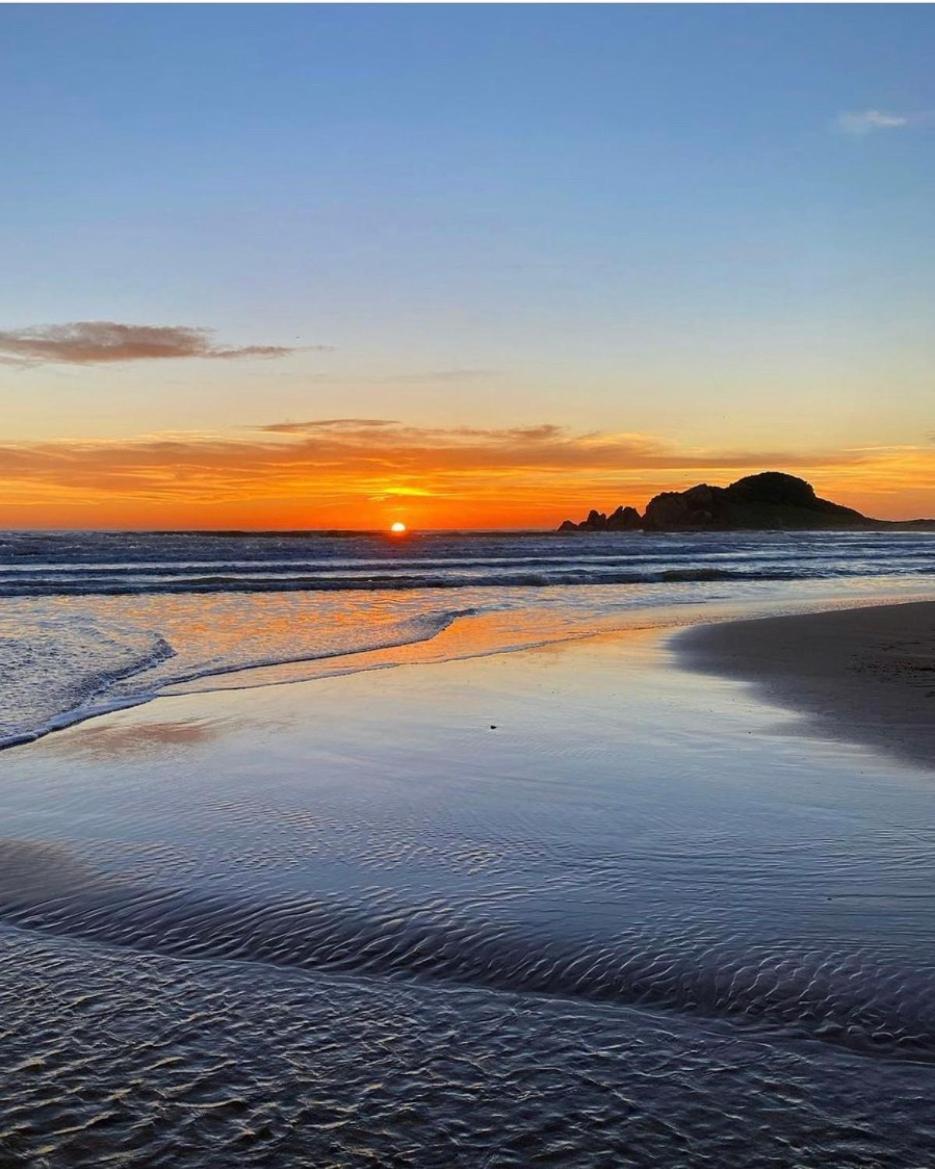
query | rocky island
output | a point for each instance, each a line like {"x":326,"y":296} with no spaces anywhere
{"x":769,"y":501}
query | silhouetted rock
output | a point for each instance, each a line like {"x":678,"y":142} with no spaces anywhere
{"x":596,"y":522}
{"x":694,"y":508}
{"x":776,"y":487}
{"x":624,"y":519}
{"x":768,"y":501}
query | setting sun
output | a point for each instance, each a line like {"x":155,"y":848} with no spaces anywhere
{"x":398,"y":528}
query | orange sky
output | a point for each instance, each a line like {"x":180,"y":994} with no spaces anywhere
{"x":573,"y":285}
{"x":366,"y":473}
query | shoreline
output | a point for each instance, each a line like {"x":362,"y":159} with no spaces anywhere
{"x":255,"y":777}
{"x":583,"y":833}
{"x":480,"y":637}
{"x":865,"y":675}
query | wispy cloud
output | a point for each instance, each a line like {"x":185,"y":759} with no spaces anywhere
{"x":358,"y":472}
{"x":100,"y":342}
{"x":337,"y":471}
{"x":393,"y":431}
{"x":859,"y":123}
{"x":322,"y":424}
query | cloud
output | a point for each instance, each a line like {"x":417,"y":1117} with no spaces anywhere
{"x":322,"y":424}
{"x":377,"y":456}
{"x":99,"y":342}
{"x":861,"y":122}
{"x":342,"y":471}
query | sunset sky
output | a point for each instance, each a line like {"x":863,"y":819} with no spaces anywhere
{"x":460,"y":266}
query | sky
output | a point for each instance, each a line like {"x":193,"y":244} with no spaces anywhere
{"x":460,"y":266}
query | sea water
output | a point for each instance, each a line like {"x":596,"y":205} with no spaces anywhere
{"x":92,"y":620}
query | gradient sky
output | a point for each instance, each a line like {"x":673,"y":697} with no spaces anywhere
{"x":461,"y":265}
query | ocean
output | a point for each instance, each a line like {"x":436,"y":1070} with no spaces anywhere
{"x":91,"y":621}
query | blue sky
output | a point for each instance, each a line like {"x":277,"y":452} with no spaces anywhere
{"x":641,"y":219}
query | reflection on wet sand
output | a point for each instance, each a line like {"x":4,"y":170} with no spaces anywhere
{"x":112,"y":738}
{"x":346,"y":922}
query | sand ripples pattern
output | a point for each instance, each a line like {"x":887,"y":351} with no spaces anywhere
{"x":132,"y":1061}
{"x":858,"y":997}
{"x":350,"y":924}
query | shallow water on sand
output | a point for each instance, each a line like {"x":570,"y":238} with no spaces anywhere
{"x":90,"y":621}
{"x":569,"y":906}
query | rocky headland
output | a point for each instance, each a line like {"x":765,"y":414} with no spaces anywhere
{"x":769,"y":501}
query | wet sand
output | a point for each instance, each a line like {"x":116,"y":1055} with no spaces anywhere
{"x":866,"y":675}
{"x":348,"y":923}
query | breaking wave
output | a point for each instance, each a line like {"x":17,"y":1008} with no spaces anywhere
{"x":92,"y":621}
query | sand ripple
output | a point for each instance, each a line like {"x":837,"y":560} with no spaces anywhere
{"x":124,"y":1059}
{"x":865,"y":999}
{"x":348,"y":925}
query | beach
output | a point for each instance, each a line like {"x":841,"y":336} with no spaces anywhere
{"x":467,"y":587}
{"x":866,"y":675}
{"x":573,"y":904}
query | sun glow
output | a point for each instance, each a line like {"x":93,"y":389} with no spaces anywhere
{"x":398,"y":528}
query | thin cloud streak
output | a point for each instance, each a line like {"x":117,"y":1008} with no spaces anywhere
{"x":859,"y":123}
{"x":102,"y":342}
{"x":322,"y":424}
